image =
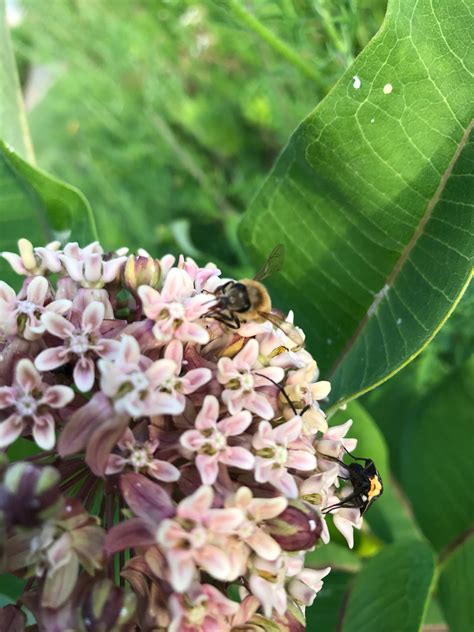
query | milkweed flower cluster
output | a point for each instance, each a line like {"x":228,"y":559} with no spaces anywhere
{"x":182,"y":470}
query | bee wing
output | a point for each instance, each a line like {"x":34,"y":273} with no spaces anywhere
{"x":273,"y":264}
{"x":287,"y":328}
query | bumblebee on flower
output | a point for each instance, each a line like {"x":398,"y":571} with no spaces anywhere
{"x":200,"y":443}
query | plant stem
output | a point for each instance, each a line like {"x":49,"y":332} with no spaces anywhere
{"x":274,"y":41}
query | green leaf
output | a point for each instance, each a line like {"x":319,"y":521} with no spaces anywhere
{"x":13,"y":123}
{"x":437,"y":459}
{"x":389,"y":517}
{"x":395,"y":404}
{"x":11,"y":586}
{"x":337,"y":556}
{"x":392,"y":591}
{"x":325,"y":612}
{"x":373,"y":199}
{"x":39,"y":207}
{"x":456,"y":587}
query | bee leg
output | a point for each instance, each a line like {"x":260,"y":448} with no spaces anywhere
{"x":230,"y":321}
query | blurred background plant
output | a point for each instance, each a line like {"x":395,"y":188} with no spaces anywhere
{"x":186,"y":94}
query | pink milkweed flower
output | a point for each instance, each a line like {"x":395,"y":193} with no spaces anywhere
{"x":276,"y":349}
{"x":21,"y":316}
{"x":200,"y":276}
{"x":256,"y":511}
{"x":241,"y":376}
{"x":140,"y":456}
{"x":209,"y":440}
{"x":277,"y":451}
{"x":31,"y":401}
{"x":345,"y":519}
{"x":316,"y":490}
{"x":304,"y":395}
{"x":88,"y":267}
{"x":191,"y":381}
{"x":202,"y":609}
{"x":189,"y":539}
{"x":334,"y":444}
{"x":305,"y":586}
{"x":81,"y":344}
{"x":267,"y":583}
{"x":135,"y":383}
{"x":268,"y":578}
{"x":175,"y":309}
{"x":34,"y":261}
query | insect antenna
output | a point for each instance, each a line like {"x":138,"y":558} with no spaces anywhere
{"x":356,"y":458}
{"x":282,"y":391}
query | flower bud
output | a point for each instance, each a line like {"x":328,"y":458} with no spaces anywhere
{"x":293,"y":619}
{"x":108,"y":608}
{"x":297,"y":528}
{"x":29,"y":494}
{"x":140,"y":270}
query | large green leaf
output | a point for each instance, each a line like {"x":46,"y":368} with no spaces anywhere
{"x":324,"y":614}
{"x":13,"y":123}
{"x":437,"y":459}
{"x":39,"y":207}
{"x":398,"y":404}
{"x":373,"y":199}
{"x":392,"y":591}
{"x":456,"y":587}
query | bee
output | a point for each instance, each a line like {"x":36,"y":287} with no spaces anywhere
{"x":365,"y":480}
{"x":247,"y":300}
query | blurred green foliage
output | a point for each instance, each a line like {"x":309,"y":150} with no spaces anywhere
{"x":169,"y":114}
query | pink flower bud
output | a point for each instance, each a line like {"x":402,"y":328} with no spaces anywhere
{"x":297,"y":528}
{"x":140,"y":270}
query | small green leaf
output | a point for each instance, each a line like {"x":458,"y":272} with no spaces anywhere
{"x":11,"y":586}
{"x":392,"y":591}
{"x":456,"y":587}
{"x":39,"y":207}
{"x":373,"y":199}
{"x":437,"y":459}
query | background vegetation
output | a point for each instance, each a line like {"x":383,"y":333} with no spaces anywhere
{"x":168,"y":115}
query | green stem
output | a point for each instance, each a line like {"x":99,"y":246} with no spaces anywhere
{"x":275,"y":42}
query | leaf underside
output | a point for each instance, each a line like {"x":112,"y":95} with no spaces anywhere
{"x":373,"y":199}
{"x":39,"y":207}
{"x":392,"y":591}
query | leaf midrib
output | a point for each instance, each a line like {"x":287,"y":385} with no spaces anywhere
{"x":419,"y":231}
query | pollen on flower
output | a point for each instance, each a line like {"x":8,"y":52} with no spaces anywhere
{"x":202,"y":449}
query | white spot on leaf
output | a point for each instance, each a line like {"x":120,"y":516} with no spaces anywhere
{"x":387,"y":89}
{"x":399,"y":321}
{"x":377,"y":300}
{"x":372,"y":120}
{"x":357,"y":82}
